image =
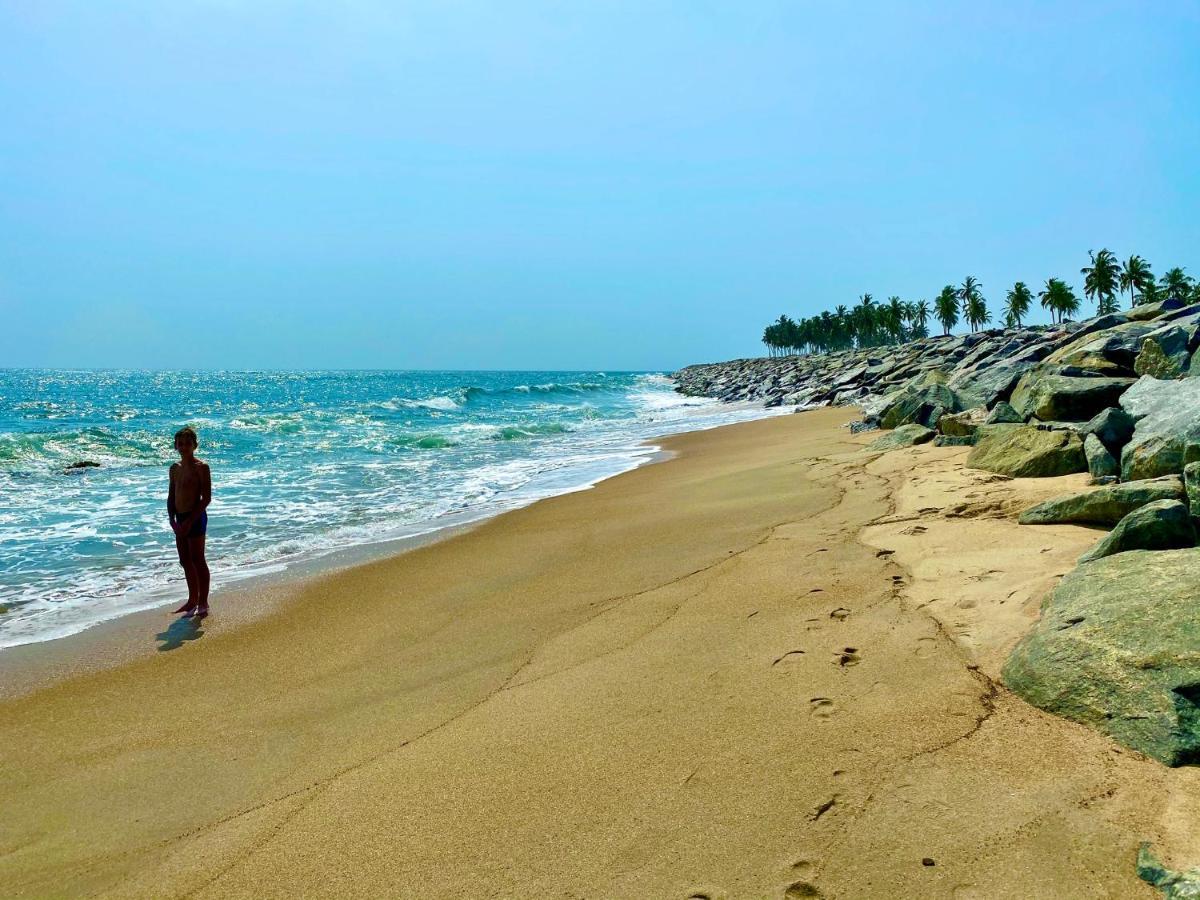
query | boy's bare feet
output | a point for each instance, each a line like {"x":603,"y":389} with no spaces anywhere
{"x":187,"y":609}
{"x":201,"y":612}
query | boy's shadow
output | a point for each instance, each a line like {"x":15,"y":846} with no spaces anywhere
{"x":179,"y":633}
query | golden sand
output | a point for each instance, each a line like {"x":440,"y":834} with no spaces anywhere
{"x":763,"y":668}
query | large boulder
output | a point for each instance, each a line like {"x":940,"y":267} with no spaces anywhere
{"x":962,"y":424}
{"x":1052,"y":396}
{"x":1118,"y":648}
{"x":1157,"y":361}
{"x":1166,"y":434}
{"x":1113,"y":426}
{"x":1024,"y":451}
{"x":1110,"y":352}
{"x":923,"y":405}
{"x":1106,"y":505}
{"x":1003,"y":413}
{"x":1161,"y":525}
{"x":904,"y":436}
{"x":988,"y":382}
{"x":1100,"y":462}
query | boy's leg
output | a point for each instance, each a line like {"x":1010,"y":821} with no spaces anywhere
{"x":189,"y":572}
{"x":200,"y":567}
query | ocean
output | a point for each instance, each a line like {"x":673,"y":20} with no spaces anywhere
{"x":304,"y":464}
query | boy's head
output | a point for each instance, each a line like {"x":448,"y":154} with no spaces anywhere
{"x":185,"y":440}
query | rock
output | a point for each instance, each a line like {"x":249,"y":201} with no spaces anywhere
{"x":1191,"y":481}
{"x":1048,"y":395}
{"x":1113,"y":426}
{"x":1161,"y":525}
{"x":1105,"y":506}
{"x":1118,"y":648}
{"x":988,"y":382}
{"x":1003,"y":413}
{"x":954,"y":440}
{"x":1166,"y":433}
{"x":1100,"y":463}
{"x":962,"y":424}
{"x":1027,"y":452}
{"x":1154,"y":361}
{"x":904,"y":436}
{"x":1175,"y":885}
{"x":82,"y":464}
{"x":921,"y":406}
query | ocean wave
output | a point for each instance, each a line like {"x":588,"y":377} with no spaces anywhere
{"x":532,"y":430}
{"x":56,"y":449}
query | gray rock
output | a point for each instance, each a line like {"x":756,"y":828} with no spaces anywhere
{"x":1191,"y":481}
{"x":988,"y":382}
{"x":1105,"y":506}
{"x":1048,"y":395}
{"x":1022,"y":451}
{"x":1154,"y":359}
{"x":1161,"y":525}
{"x":1113,"y":426}
{"x":1003,"y":413}
{"x":923,"y":406}
{"x":962,"y":424}
{"x":1175,"y":885}
{"x":904,"y":436}
{"x":1118,"y":648}
{"x":1100,"y":463}
{"x":954,"y":440}
{"x":1166,"y":433}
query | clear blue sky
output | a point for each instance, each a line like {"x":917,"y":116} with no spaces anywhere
{"x":252,"y":183}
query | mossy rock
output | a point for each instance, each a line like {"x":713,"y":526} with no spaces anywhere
{"x":1050,"y":396}
{"x":1104,"y":506}
{"x":1024,"y":451}
{"x":1118,"y":649}
{"x":904,"y":436}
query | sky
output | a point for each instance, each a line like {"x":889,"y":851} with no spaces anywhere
{"x":588,"y":185}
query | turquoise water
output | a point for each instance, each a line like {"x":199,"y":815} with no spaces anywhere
{"x":304,"y":464}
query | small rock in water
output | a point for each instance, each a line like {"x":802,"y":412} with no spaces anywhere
{"x":82,"y":464}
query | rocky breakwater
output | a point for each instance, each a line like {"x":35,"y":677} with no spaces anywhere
{"x":1118,"y":643}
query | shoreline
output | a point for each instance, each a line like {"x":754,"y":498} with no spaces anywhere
{"x":721,"y":675}
{"x":314,"y":563}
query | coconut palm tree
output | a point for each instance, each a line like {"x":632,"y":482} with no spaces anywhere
{"x":920,"y":319}
{"x":974,"y":307}
{"x":1100,"y":280}
{"x":867,"y":320}
{"x":1016,"y":304}
{"x":946,"y":308}
{"x":1135,"y":277}
{"x":897,"y":313}
{"x":1175,"y":285}
{"x":1058,"y":297}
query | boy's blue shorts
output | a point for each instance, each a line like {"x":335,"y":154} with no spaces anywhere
{"x":199,"y":524}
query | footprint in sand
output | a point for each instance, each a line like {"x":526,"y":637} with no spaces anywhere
{"x":926,"y":647}
{"x":847,"y":656}
{"x":841,"y":614}
{"x":822,"y":708}
{"x":799,"y":889}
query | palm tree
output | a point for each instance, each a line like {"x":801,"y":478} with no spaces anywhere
{"x":1058,"y":297}
{"x":896,"y":317}
{"x":1135,"y":277}
{"x":974,"y":307}
{"x":1100,"y":280}
{"x":1175,"y":285}
{"x":946,"y":307}
{"x":867,"y":320}
{"x":920,"y":319}
{"x":1016,"y":304}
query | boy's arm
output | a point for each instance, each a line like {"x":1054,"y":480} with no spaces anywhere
{"x":205,"y":487}
{"x":172,"y":513}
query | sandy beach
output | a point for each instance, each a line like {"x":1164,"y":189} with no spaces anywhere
{"x":766,"y":667}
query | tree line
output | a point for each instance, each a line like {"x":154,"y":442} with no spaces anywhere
{"x":871,"y":324}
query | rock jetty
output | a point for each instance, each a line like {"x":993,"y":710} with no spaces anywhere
{"x":1117,"y":396}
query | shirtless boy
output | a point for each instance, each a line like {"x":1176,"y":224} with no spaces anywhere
{"x":187,"y":502}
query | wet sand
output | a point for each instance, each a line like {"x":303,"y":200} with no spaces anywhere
{"x":763,"y":668}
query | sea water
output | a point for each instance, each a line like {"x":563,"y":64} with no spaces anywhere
{"x":303,"y":464}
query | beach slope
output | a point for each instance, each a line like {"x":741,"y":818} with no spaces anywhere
{"x":712,"y":677}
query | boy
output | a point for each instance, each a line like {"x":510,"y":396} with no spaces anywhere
{"x":187,"y":501}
